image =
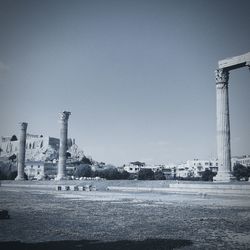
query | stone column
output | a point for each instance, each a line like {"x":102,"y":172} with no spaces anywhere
{"x":64,"y":117}
{"x":21,"y":151}
{"x":223,"y":127}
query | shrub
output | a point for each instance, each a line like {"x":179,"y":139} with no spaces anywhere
{"x":159,"y":175}
{"x":111,"y":174}
{"x":13,"y":138}
{"x":146,"y":174}
{"x":124,"y":175}
{"x":3,"y":175}
{"x":12,"y":157}
{"x":240,"y":171}
{"x":207,"y":175}
{"x":13,"y":175}
{"x":68,"y":155}
{"x":86,"y":160}
{"x":83,"y":170}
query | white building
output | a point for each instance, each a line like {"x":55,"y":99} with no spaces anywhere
{"x":197,"y":167}
{"x":132,"y":168}
{"x":243,"y":160}
{"x":135,"y":167}
{"x":38,"y":169}
{"x":182,"y":171}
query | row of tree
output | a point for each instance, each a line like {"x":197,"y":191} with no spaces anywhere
{"x":8,"y":172}
{"x":84,"y":170}
{"x":241,"y":172}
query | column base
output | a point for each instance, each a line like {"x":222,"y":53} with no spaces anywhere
{"x":19,"y":178}
{"x":223,"y":177}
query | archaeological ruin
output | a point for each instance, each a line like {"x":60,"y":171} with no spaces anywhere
{"x":21,"y":151}
{"x":64,"y":117}
{"x":222,"y":113}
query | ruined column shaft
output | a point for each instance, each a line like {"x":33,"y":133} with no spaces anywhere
{"x":63,"y":148}
{"x":63,"y":145}
{"x":223,"y":127}
{"x":21,"y":151}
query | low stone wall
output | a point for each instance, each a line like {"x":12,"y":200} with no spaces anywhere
{"x":210,"y":186}
{"x":200,"y":189}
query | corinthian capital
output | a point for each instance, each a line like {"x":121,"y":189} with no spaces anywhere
{"x":221,"y":75}
{"x":23,"y":125}
{"x":64,"y":116}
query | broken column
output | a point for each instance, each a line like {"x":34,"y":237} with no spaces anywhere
{"x":21,"y":151}
{"x":223,"y":126}
{"x":64,"y":117}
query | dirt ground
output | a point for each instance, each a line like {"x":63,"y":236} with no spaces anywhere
{"x":115,"y":220}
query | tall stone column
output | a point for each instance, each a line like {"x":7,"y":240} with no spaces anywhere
{"x":223,"y":126}
{"x":21,"y":151}
{"x":64,"y":117}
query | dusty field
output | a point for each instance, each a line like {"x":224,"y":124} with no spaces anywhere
{"x":112,"y":220}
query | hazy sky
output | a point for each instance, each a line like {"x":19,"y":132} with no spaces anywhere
{"x":138,"y":76}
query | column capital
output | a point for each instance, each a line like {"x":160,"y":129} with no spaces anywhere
{"x":64,"y":116}
{"x":23,"y":125}
{"x":221,"y":76}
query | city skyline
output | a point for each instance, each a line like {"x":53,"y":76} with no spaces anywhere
{"x":138,"y":76}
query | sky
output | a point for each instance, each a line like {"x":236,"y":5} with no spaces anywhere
{"x":138,"y":76}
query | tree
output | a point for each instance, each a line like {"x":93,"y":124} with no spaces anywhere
{"x":13,"y":138}
{"x":68,"y":155}
{"x":86,"y":160}
{"x":146,"y":174}
{"x":124,"y":175}
{"x":159,"y":175}
{"x":83,"y":170}
{"x":207,"y":175}
{"x":2,"y":175}
{"x":12,"y":157}
{"x":110,"y":174}
{"x":13,"y":175}
{"x":240,"y":171}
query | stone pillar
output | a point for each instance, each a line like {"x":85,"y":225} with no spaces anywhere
{"x":21,"y":151}
{"x":223,"y":127}
{"x":64,"y":117}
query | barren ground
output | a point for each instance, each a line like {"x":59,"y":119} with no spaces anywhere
{"x":124,"y":220}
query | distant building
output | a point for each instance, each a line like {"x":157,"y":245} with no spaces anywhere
{"x":243,"y":160}
{"x":135,"y":167}
{"x":154,"y":168}
{"x":33,"y":142}
{"x":41,"y":154}
{"x":182,"y":171}
{"x":38,"y":147}
{"x":132,"y":168}
{"x":197,"y":167}
{"x":169,"y":171}
{"x":194,"y":168}
{"x":39,"y":169}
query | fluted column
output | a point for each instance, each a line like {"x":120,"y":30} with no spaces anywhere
{"x":223,"y":126}
{"x":64,"y":117}
{"x":21,"y":151}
